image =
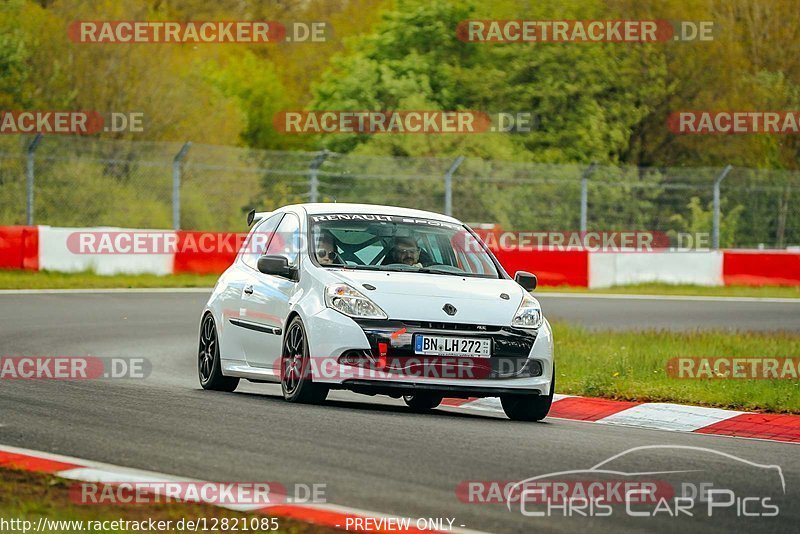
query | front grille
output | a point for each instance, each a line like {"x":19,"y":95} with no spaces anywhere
{"x":507,"y":342}
{"x":465,"y":327}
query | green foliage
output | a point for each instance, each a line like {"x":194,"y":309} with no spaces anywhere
{"x":603,"y":102}
{"x":259,"y":94}
{"x":699,"y":221}
{"x":83,"y":193}
{"x":587,"y":99}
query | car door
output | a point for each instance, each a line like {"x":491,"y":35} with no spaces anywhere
{"x":265,"y":299}
{"x":236,"y":278}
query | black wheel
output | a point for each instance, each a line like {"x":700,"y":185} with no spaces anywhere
{"x":422,"y":402}
{"x":209,"y":367}
{"x":529,"y":407}
{"x":296,"y":380}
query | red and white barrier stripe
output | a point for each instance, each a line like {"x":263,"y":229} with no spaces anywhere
{"x":56,"y":255}
{"x":759,"y":267}
{"x":660,"y":416}
{"x":46,"y":248}
{"x":328,"y":515}
{"x":19,"y":247}
{"x":607,"y":269}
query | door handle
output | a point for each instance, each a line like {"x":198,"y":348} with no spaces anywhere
{"x":248,"y":290}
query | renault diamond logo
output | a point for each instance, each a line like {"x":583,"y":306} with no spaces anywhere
{"x":449,"y":309}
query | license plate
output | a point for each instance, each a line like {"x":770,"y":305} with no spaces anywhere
{"x":452,"y":346}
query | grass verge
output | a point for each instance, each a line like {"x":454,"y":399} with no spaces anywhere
{"x":11,"y":279}
{"x":27,"y":496}
{"x":632,"y":366}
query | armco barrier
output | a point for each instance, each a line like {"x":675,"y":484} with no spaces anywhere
{"x":551,"y":267}
{"x":55,"y":254}
{"x":48,"y":248}
{"x":758,"y":267}
{"x":19,"y":247}
{"x":607,"y":269}
{"x":197,"y":259}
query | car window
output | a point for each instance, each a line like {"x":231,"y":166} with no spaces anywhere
{"x":258,"y":240}
{"x":396,"y":243}
{"x":369,"y":252}
{"x":286,"y":241}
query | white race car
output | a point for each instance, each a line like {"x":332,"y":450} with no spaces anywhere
{"x":376,"y":300}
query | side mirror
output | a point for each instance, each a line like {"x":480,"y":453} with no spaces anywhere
{"x":276,"y":265}
{"x":527,"y":280}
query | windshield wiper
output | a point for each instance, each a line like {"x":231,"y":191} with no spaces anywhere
{"x":429,"y":270}
{"x":408,"y":269}
{"x":360,"y":267}
{"x":386,"y":268}
{"x":434,"y":270}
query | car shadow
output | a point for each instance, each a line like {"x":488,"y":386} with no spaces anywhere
{"x":373,"y":407}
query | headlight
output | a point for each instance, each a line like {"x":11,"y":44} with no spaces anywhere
{"x":345,"y":299}
{"x":529,"y":314}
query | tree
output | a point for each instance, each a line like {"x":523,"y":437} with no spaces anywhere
{"x":699,"y":221}
{"x":587,"y":99}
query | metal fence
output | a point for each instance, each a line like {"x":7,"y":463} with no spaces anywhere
{"x":79,"y":181}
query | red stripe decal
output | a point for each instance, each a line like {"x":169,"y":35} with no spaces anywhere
{"x":457,"y":402}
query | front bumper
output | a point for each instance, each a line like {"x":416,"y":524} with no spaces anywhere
{"x":398,"y":389}
{"x":510,"y":370}
{"x":511,"y":348}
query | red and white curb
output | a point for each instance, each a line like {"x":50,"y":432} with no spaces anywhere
{"x":328,"y":515}
{"x":660,"y":416}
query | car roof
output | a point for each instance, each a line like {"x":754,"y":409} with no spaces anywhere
{"x":343,"y":207}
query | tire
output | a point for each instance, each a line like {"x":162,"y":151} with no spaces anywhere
{"x":422,"y":402}
{"x":529,"y":407}
{"x":296,"y":382}
{"x":209,"y":367}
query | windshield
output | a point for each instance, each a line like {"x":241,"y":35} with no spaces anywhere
{"x":390,"y":243}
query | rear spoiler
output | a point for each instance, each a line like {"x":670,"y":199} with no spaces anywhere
{"x":253,"y":216}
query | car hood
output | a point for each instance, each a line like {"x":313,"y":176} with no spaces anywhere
{"x":422,"y":297}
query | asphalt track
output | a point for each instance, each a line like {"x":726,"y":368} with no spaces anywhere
{"x":625,"y":312}
{"x":370,"y":452}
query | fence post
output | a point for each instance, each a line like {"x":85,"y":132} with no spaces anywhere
{"x":448,"y":185}
{"x":715,"y":215}
{"x":29,"y":174}
{"x":585,"y":195}
{"x":176,"y":185}
{"x":313,"y":170}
